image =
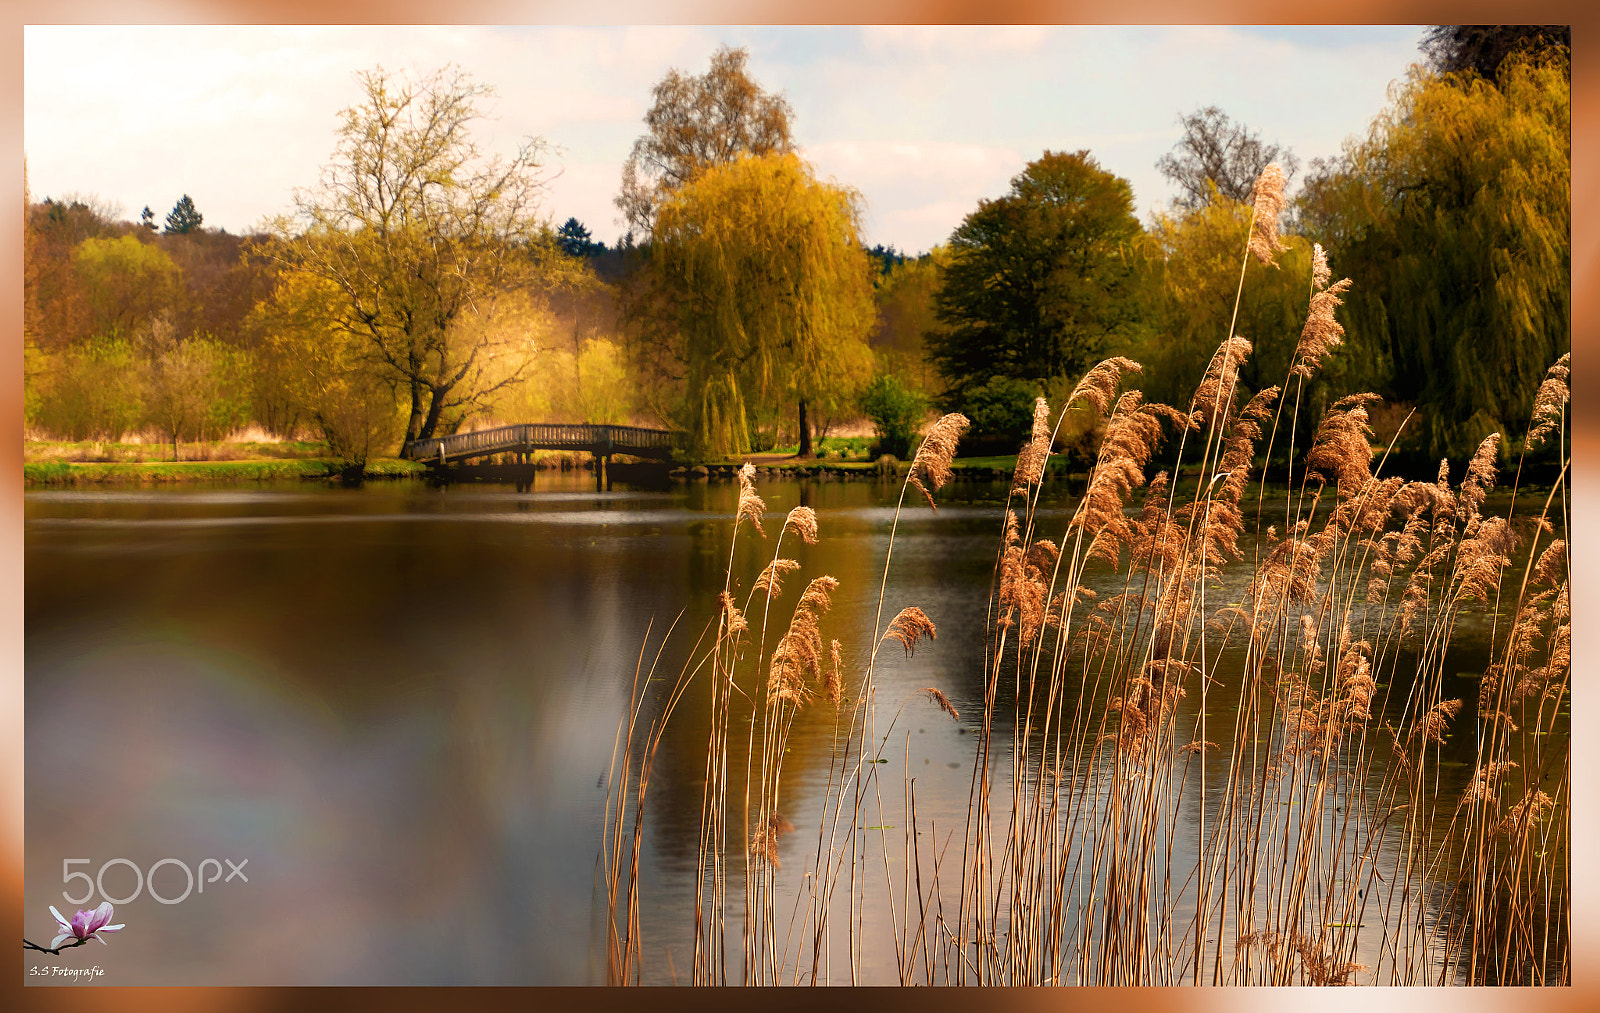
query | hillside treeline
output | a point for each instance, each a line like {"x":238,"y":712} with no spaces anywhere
{"x":420,"y":288}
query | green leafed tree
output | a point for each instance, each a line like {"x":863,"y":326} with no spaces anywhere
{"x":125,"y":283}
{"x":422,"y":235}
{"x":759,"y":268}
{"x":184,"y":217}
{"x":904,"y":293}
{"x":91,"y":390}
{"x":896,"y":412}
{"x":1453,"y":217}
{"x":697,"y":123}
{"x":310,"y":370}
{"x":1041,"y":281}
{"x":196,"y":390}
{"x":1194,"y":258}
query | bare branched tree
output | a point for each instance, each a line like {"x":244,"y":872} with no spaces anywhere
{"x":1216,"y":149}
{"x":419,"y":231}
{"x":696,"y":123}
{"x":1483,"y":48}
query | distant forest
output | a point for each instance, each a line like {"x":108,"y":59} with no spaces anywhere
{"x":421,"y":289}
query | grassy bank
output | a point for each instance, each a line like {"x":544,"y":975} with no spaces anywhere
{"x":67,"y":473}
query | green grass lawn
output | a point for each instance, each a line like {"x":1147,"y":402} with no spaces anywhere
{"x":42,"y":473}
{"x":101,"y":452}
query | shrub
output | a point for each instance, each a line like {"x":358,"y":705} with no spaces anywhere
{"x":896,"y":412}
{"x":1002,"y":410}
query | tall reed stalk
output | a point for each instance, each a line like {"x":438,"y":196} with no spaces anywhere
{"x":1326,"y":850}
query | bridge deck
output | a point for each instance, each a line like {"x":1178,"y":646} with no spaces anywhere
{"x":600,"y":440}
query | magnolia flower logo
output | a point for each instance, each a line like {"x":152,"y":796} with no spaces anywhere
{"x":84,"y":926}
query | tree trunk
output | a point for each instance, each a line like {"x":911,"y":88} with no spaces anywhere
{"x":435,"y":409}
{"x":805,"y":433}
{"x":414,"y":424}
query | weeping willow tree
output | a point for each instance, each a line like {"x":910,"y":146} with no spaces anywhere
{"x":1193,"y":256}
{"x":760,"y":268}
{"x":1454,"y":218}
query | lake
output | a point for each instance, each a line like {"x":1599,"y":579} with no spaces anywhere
{"x":385,"y":716}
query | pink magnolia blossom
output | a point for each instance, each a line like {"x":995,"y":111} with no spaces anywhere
{"x":85,"y":925}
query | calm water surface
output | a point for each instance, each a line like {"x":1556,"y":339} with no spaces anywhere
{"x":393,"y":710}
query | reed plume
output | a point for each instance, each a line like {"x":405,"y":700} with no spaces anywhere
{"x":1156,"y":542}
{"x":1215,"y":392}
{"x":1269,"y":203}
{"x":799,"y":651}
{"x":931,"y":464}
{"x":1320,"y":272}
{"x":771,"y":579}
{"x":1528,"y":810}
{"x":833,"y":683}
{"x":1099,"y":386}
{"x":1321,"y":333}
{"x":1023,"y":584}
{"x":1478,"y":481}
{"x":1287,"y":576}
{"x":751,"y":507}
{"x":908,"y":627}
{"x":802,"y":520}
{"x":1432,"y":726}
{"x":1131,"y":436}
{"x":1341,"y":449}
{"x":764,"y":840}
{"x":1481,"y":559}
{"x":1035,"y":453}
{"x":734,"y":619}
{"x":1280,"y":947}
{"x":1223,"y":521}
{"x":1485,"y":781}
{"x":943,"y":701}
{"x":1550,"y":402}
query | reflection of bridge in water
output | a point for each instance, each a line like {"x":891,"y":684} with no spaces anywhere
{"x":523,"y":438}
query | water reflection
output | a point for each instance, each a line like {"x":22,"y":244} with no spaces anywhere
{"x":399,"y":705}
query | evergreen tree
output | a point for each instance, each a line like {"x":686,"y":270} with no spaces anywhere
{"x":183,"y":218}
{"x":576,"y":240}
{"x":885,"y":258}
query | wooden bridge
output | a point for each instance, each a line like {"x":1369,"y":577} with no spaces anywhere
{"x":601,"y":441}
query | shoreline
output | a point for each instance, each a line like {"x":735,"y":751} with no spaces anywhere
{"x":46,"y":474}
{"x":67,"y":474}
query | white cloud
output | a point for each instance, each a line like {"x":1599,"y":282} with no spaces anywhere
{"x":922,"y":120}
{"x":943,"y":161}
{"x":584,"y":190}
{"x":916,"y":192}
{"x":956,"y":40}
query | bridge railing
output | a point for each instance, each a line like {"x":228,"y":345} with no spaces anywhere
{"x":523,"y":436}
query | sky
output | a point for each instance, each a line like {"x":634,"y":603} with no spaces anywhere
{"x":922,"y":121}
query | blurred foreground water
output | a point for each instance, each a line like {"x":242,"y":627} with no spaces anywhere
{"x":396,"y":706}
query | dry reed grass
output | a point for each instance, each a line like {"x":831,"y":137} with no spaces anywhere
{"x":1325,"y":854}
